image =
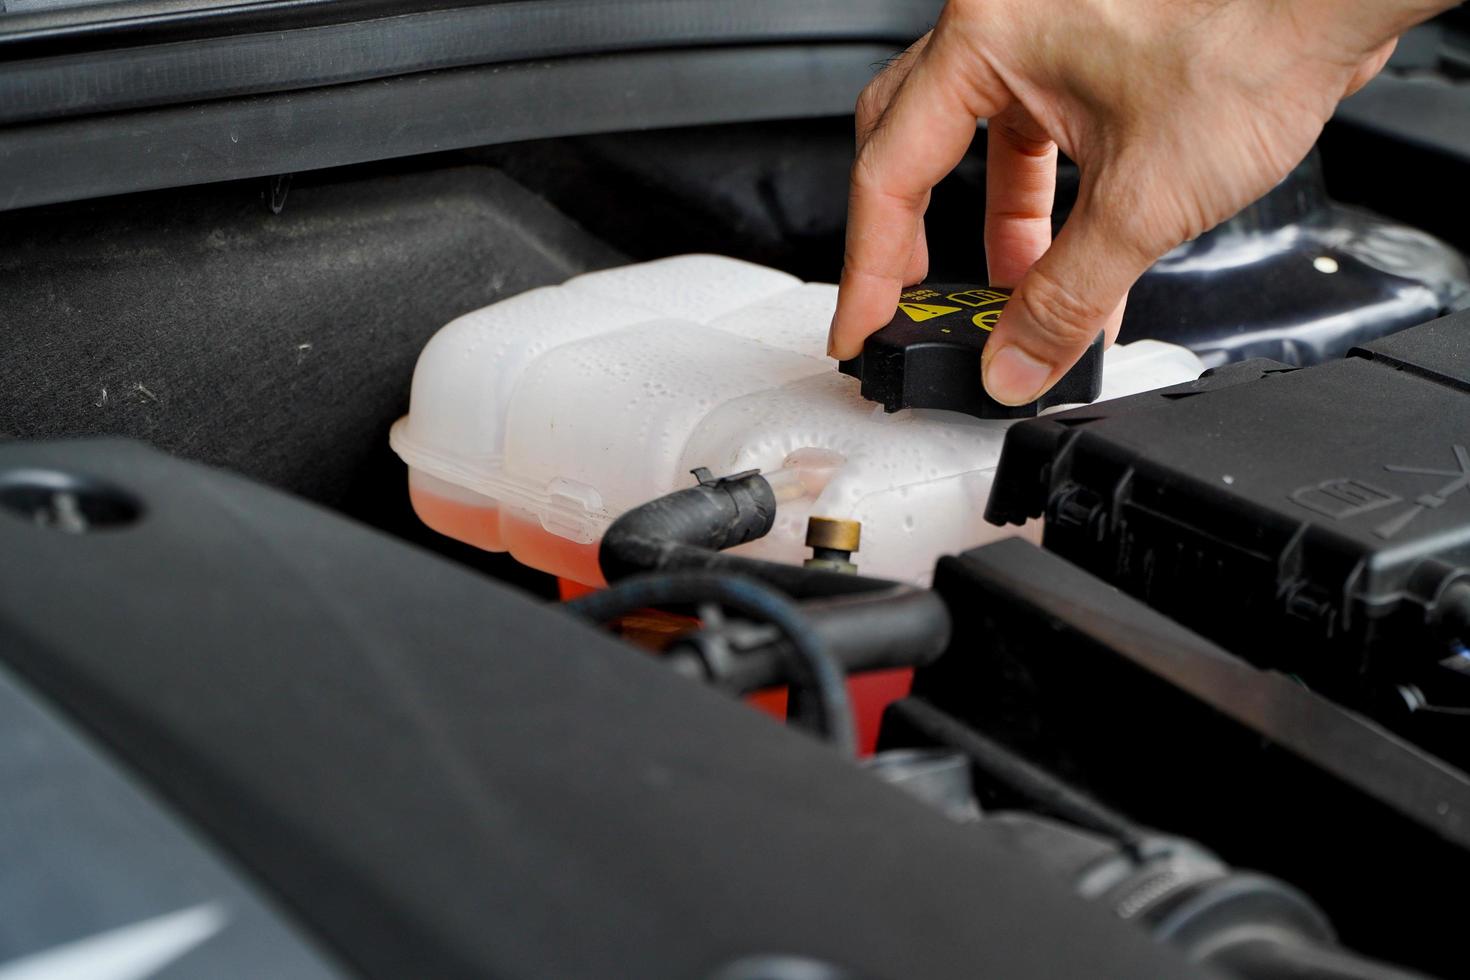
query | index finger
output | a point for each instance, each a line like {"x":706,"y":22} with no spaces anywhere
{"x":928,"y":126}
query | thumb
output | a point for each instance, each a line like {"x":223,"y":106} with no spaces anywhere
{"x":1074,"y":292}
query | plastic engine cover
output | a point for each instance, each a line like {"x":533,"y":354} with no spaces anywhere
{"x":538,"y":420}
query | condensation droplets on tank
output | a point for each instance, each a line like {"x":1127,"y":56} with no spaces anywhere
{"x":620,"y":382}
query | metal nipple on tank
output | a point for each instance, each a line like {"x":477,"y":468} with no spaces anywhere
{"x":833,"y":540}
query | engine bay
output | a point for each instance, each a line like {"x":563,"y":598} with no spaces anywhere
{"x":650,"y":647}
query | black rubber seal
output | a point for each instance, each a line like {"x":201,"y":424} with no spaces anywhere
{"x":230,"y":139}
{"x":128,"y":62}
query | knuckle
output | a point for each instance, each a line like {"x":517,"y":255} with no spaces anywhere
{"x":1139,"y":229}
{"x":1139,"y":244}
{"x":875,"y":96}
{"x":868,"y":180}
{"x":870,"y":101}
{"x":1023,"y":135}
{"x":1020,"y":214}
{"x":918,"y":269}
{"x":1061,"y":317}
{"x":878,"y":179}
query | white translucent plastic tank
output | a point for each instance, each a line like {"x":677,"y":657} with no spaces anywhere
{"x":538,"y":420}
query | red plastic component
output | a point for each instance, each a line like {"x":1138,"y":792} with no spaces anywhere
{"x":570,"y":590}
{"x":871,"y":693}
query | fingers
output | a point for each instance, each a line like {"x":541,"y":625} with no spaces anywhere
{"x":918,"y":265}
{"x":1020,"y":185}
{"x":879,"y":92}
{"x":928,"y":126}
{"x":1075,"y":291}
{"x":871,"y":105}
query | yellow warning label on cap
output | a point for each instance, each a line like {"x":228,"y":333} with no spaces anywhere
{"x":919,"y":312}
{"x":978,"y":297}
{"x":986,"y":319}
{"x":915,"y":293}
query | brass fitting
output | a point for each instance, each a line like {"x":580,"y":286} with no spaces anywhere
{"x":833,"y":540}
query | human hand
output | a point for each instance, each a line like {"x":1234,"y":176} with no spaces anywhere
{"x":1178,"y":113}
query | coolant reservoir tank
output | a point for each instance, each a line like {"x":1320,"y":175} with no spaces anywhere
{"x":537,"y":421}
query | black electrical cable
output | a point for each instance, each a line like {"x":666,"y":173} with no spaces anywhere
{"x":862,"y":633}
{"x":868,"y":623}
{"x":811,"y":668}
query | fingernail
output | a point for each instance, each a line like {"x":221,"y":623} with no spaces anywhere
{"x":1014,"y":377}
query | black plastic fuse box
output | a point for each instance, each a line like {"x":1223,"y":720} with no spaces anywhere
{"x":1313,"y":520}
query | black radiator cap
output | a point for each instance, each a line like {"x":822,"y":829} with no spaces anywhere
{"x":929,"y":356}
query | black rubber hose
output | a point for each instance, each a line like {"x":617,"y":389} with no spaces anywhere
{"x":1034,"y":785}
{"x":870,"y":623}
{"x":808,"y":665}
{"x":867,"y":623}
{"x":686,"y":530}
{"x":882,"y":631}
{"x":901,"y":627}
